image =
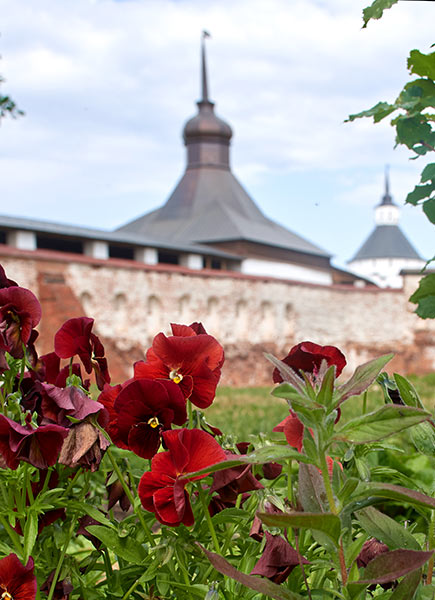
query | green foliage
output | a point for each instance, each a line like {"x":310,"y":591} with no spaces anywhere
{"x":8,"y":106}
{"x":424,"y":297}
{"x":376,"y":10}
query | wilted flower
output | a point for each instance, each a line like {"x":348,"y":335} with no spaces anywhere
{"x":371,"y":548}
{"x":85,"y":446}
{"x":278,"y":559}
{"x":162,"y":490}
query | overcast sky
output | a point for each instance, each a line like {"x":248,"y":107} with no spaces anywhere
{"x":107,"y":85}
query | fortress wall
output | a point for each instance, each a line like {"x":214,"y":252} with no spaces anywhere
{"x":131,"y":302}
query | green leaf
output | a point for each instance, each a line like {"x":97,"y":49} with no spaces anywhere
{"x":407,"y":391}
{"x":90,"y":510}
{"x":259,"y":457}
{"x":423,"y":438}
{"x":406,"y":588}
{"x":264,"y":586}
{"x":378,"y":112}
{"x":422,"y":64}
{"x":363,"y":376}
{"x":393,"y":492}
{"x":389,"y":566}
{"x":386,"y":529}
{"x":327,"y":389}
{"x":428,"y":173}
{"x":126,"y":547}
{"x":429,"y":209}
{"x":285,"y":371}
{"x":324,"y":522}
{"x":381,"y":423}
{"x":30,"y":534}
{"x":424,"y":297}
{"x":420,"y":192}
{"x":376,"y":9}
{"x":412,"y":130}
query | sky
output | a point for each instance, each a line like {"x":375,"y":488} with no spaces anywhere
{"x":107,"y":85}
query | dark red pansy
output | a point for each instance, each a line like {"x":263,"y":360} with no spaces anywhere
{"x":76,"y":337}
{"x":140,"y":411}
{"x":192,"y":361}
{"x":59,"y":403}
{"x":293,"y":430}
{"x":308,"y":357}
{"x":278,"y":559}
{"x":161,"y":490}
{"x":17,"y":582}
{"x":20,"y":312}
{"x":40,"y":446}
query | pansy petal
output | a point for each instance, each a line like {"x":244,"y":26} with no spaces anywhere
{"x":165,"y":509}
{"x":144,"y":440}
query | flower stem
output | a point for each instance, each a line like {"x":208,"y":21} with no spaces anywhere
{"x":190,"y":414}
{"x":208,"y":518}
{"x":289,"y":482}
{"x":130,"y":497}
{"x":431,"y":545}
{"x":61,"y":558}
{"x":327,"y":482}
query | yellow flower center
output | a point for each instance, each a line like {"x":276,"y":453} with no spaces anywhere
{"x":175,"y":376}
{"x":153,"y":422}
{"x":6,"y":595}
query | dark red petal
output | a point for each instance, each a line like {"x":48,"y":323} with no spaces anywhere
{"x":41,"y":449}
{"x":182,"y":330}
{"x":202,"y":449}
{"x":154,"y":369}
{"x":174,"y":442}
{"x":19,"y":580}
{"x":204,"y":386}
{"x":294,"y":432}
{"x":74,"y":338}
{"x":144,"y":440}
{"x":165,"y":509}
{"x":51,"y":363}
{"x":25,"y":304}
{"x":188,"y":353}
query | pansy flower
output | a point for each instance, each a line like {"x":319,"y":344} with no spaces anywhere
{"x":38,"y":446}
{"x":4,"y":281}
{"x":140,"y":411}
{"x":162,"y":490}
{"x":293,"y":430}
{"x":191,"y":360}
{"x":76,"y":337}
{"x":20,"y":312}
{"x":17,"y":582}
{"x":308,"y":357}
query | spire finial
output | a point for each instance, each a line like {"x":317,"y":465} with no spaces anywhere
{"x":387,"y":180}
{"x":204,"y":36}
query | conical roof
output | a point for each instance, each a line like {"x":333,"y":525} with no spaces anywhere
{"x":209,"y":205}
{"x":386,"y":241}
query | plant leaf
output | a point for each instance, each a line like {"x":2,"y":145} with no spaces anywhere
{"x":312,"y":494}
{"x":30,"y":534}
{"x":381,"y":423}
{"x":376,"y":9}
{"x":325,"y":522}
{"x":285,"y":371}
{"x":126,"y":547}
{"x":264,"y":586}
{"x":406,"y":588}
{"x":386,"y":529}
{"x":407,"y":391}
{"x":422,"y":64}
{"x":389,"y":566}
{"x":393,"y":492}
{"x":363,"y":376}
{"x":424,"y":297}
{"x":423,"y":438}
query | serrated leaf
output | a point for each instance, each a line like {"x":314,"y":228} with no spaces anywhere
{"x":424,"y":297}
{"x":363,"y":376}
{"x":376,"y":10}
{"x":393,"y":492}
{"x":264,"y":586}
{"x":429,"y":209}
{"x":326,"y":523}
{"x":420,"y":192}
{"x":382,"y":423}
{"x":389,"y":566}
{"x":422,"y":64}
{"x":386,"y":529}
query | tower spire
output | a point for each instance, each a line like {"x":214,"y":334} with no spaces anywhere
{"x":386,"y":198}
{"x":204,"y":84}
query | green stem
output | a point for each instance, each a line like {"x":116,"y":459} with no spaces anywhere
{"x":431,"y":546}
{"x":61,"y":558}
{"x":190,"y":414}
{"x":211,"y":528}
{"x":131,"y":589}
{"x":327,"y":482}
{"x":15,"y":538}
{"x":364,"y":403}
{"x":130,"y":497}
{"x":289,"y":482}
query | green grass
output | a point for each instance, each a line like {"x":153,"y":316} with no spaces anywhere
{"x":244,"y":411}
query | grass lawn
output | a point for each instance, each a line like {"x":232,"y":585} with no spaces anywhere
{"x":244,"y":411}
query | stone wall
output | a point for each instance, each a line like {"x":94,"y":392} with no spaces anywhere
{"x":131,"y":302}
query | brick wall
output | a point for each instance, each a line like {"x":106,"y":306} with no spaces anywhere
{"x":131,"y":302}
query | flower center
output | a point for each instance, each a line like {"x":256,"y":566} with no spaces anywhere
{"x":153,"y":422}
{"x":175,"y":376}
{"x":6,"y":595}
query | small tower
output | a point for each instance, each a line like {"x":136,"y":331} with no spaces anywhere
{"x":387,"y":250}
